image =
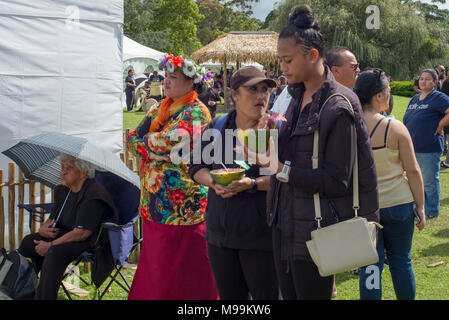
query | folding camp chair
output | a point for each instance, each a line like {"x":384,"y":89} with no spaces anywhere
{"x":122,"y":240}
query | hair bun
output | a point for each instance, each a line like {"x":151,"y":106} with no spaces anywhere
{"x":302,"y":17}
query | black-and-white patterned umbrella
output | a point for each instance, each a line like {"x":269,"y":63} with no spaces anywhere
{"x":38,"y":157}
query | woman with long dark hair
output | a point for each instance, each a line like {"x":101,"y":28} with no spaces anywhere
{"x":290,"y":203}
{"x":399,"y":196}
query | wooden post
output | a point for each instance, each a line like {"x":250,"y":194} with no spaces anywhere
{"x":42,"y":200}
{"x":21,"y":201}
{"x":32,"y":198}
{"x":125,"y":146}
{"x":2,"y":222}
{"x":225,"y":86}
{"x":2,"y":212}
{"x":11,"y":205}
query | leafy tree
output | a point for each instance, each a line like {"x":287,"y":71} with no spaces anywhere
{"x":404,"y":43}
{"x":179,"y":17}
{"x":139,"y":22}
{"x":221,"y":17}
{"x":166,"y":25}
{"x":244,"y":6}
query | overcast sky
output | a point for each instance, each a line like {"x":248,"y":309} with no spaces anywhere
{"x":263,"y":8}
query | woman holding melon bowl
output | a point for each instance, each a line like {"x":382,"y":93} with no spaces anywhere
{"x":238,"y":238}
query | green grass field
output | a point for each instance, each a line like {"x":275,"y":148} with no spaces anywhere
{"x":429,"y":246}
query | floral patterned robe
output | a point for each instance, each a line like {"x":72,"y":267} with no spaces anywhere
{"x":168,"y":195}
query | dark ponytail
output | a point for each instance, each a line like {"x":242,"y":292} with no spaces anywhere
{"x":368,"y":84}
{"x":304,"y":28}
{"x":198,"y":87}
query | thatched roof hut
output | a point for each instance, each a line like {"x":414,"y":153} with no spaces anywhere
{"x":240,"y":47}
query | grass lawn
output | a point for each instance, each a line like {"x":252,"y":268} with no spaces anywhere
{"x":429,"y":246}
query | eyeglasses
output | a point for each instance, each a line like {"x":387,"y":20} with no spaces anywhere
{"x":354,"y":66}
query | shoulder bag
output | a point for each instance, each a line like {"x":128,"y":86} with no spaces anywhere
{"x":346,"y":245}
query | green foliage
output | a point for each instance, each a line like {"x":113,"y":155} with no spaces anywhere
{"x":245,"y":6}
{"x":180,"y":18}
{"x":221,"y":17}
{"x":403,"y":39}
{"x":165,"y":25}
{"x":402,"y":88}
{"x":139,"y":23}
{"x":183,"y":26}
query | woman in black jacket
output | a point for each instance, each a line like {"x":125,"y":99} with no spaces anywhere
{"x":290,"y":204}
{"x":238,"y":238}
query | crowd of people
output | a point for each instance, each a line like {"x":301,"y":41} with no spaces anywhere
{"x":204,"y":240}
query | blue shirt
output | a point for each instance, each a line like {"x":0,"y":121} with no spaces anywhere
{"x":422,"y":119}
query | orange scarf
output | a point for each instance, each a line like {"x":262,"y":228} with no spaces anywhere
{"x":168,"y":108}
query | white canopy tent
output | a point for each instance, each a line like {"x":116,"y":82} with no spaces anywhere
{"x":61,"y":70}
{"x":216,"y":66}
{"x":139,"y":57}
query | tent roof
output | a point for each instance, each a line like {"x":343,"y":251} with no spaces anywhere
{"x":133,"y":49}
{"x":239,"y":46}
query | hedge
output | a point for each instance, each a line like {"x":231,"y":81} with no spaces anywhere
{"x":402,"y":88}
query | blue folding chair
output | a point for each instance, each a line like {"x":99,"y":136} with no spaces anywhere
{"x":121,"y":235}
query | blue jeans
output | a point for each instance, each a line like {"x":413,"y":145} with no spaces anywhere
{"x":430,"y":169}
{"x":396,"y":238}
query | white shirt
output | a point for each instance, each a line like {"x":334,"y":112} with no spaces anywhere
{"x":282,"y":102}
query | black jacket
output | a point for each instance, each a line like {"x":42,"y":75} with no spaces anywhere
{"x":290,"y":205}
{"x":238,"y":222}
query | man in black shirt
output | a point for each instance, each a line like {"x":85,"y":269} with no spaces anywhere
{"x":129,"y":90}
{"x":156,"y":77}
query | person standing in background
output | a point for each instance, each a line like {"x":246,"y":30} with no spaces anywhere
{"x":345,"y":68}
{"x":344,"y":65}
{"x":445,"y":90}
{"x":426,"y":116}
{"x":399,"y":196}
{"x":129,"y":90}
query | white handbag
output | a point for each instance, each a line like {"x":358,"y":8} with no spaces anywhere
{"x":346,"y":245}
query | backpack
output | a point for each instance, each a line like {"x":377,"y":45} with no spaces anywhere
{"x":18,"y":279}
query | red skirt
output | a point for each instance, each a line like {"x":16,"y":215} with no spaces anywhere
{"x":173,"y":264}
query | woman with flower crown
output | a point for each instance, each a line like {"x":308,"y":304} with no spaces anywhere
{"x":173,"y":263}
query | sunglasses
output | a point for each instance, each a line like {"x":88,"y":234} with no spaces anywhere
{"x":379,"y":73}
{"x":354,"y":66}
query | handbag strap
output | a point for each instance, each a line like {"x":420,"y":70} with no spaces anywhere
{"x":355,"y":170}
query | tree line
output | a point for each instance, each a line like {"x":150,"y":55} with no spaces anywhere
{"x":411,"y":35}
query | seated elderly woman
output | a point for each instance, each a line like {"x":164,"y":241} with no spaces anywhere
{"x":81,"y":205}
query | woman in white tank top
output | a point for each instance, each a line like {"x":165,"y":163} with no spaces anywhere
{"x":400,"y":187}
